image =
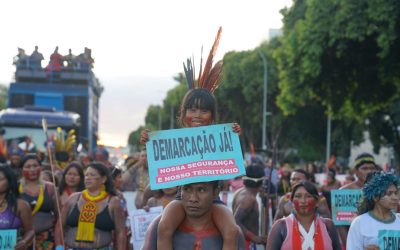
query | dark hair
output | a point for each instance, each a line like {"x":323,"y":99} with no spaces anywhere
{"x":79,"y":168}
{"x":214,"y":184}
{"x":308,"y":186}
{"x":12,"y":192}
{"x":257,"y":160}
{"x":103,"y":171}
{"x":364,"y":158}
{"x":302,"y":171}
{"x":332,"y":173}
{"x":115,"y":172}
{"x":197,"y":98}
{"x":254,"y":171}
{"x":27,"y":157}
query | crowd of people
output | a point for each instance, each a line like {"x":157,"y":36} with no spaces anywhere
{"x":57,"y":62}
{"x":85,"y":208}
{"x":82,"y":206}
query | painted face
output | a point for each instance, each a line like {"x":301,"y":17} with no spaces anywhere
{"x":31,"y":170}
{"x":3,"y":183}
{"x":195,"y":117}
{"x":304,"y":203}
{"x":197,"y":198}
{"x":296,"y":177}
{"x":364,"y":170}
{"x":72,"y":177}
{"x":391,"y":198}
{"x":93,"y":179}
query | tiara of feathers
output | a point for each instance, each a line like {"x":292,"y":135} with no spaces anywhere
{"x":210,"y":77}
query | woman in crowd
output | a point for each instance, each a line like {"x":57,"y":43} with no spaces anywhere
{"x":380,"y":197}
{"x":41,"y":196}
{"x":90,"y":217}
{"x":15,"y":213}
{"x":72,"y":181}
{"x":161,"y":197}
{"x":304,"y":229}
{"x":116,"y":175}
{"x":331,"y":184}
{"x":311,"y":169}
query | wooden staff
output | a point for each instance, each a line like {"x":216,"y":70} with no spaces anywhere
{"x":44,"y":125}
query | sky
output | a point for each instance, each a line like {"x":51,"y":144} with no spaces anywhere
{"x":138,"y":46}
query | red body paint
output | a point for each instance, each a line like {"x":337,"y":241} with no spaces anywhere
{"x":31,"y":174}
{"x":307,"y":207}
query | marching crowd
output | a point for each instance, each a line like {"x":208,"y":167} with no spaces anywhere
{"x":81,"y":206}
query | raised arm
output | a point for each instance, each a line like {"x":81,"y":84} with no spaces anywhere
{"x":144,"y":136}
{"x":236,"y":128}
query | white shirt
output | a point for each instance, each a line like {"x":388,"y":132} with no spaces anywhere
{"x":364,"y":231}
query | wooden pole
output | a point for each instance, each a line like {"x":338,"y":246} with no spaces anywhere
{"x":44,"y":125}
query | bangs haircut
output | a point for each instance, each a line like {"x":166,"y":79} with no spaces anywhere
{"x":27,"y":157}
{"x":308,"y":186}
{"x":198,"y":98}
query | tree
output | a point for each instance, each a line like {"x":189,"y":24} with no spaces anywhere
{"x":3,"y":96}
{"x":240,"y":98}
{"x":344,"y":55}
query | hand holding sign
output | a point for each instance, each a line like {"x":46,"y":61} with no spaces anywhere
{"x":180,"y":156}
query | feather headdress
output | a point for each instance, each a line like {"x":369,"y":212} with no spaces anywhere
{"x":211,"y":76}
{"x":64,"y":147}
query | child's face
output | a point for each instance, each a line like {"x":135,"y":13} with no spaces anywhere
{"x":196,"y":117}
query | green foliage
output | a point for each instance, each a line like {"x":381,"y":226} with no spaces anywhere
{"x":336,"y":57}
{"x":3,"y":96}
{"x":344,"y":55}
{"x":340,"y":54}
{"x":134,"y":138}
{"x":240,"y":99}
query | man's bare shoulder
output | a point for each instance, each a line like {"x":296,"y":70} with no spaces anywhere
{"x":245,"y":196}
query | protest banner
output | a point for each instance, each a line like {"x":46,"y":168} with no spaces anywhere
{"x":344,"y":205}
{"x":140,"y":221}
{"x":8,"y":239}
{"x":181,"y":156}
{"x":389,"y":239}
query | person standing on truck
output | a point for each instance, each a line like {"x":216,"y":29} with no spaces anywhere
{"x":27,"y":145}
